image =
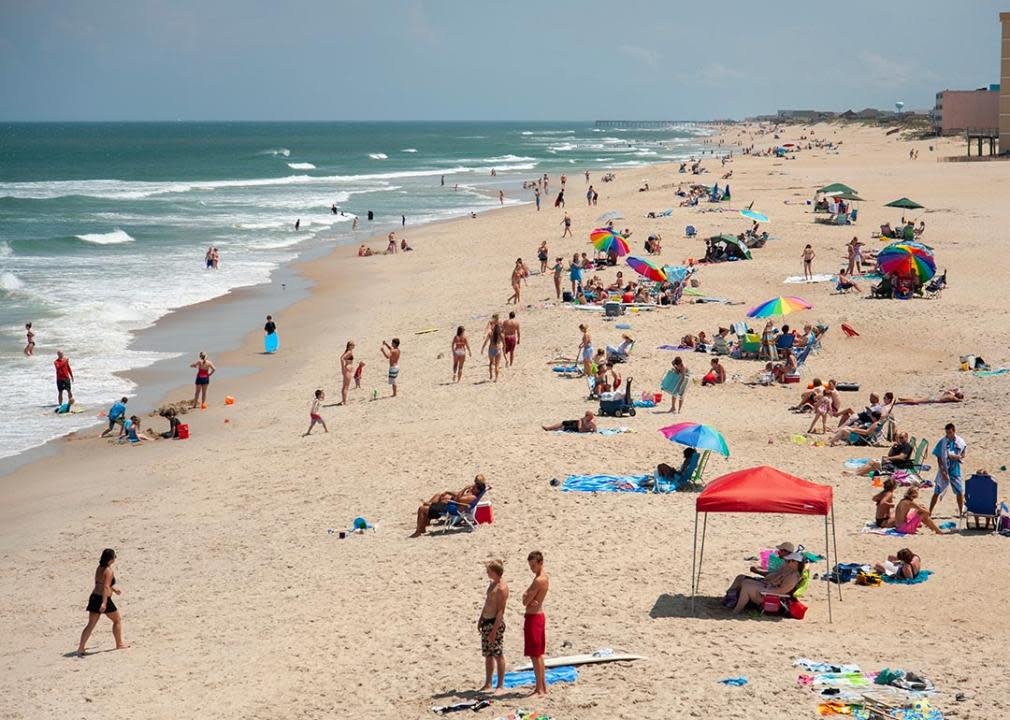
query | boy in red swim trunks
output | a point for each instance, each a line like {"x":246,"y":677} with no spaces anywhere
{"x":535,"y":624}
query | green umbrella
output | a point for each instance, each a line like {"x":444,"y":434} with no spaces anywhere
{"x":905,"y":203}
{"x":736,"y":242}
{"x":837,"y":188}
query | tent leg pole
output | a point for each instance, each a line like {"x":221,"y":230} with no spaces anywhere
{"x":701,"y":554}
{"x":694,"y":558}
{"x":834,"y":540}
{"x":827,"y":560}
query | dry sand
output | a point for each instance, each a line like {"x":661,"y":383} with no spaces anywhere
{"x":239,"y":604}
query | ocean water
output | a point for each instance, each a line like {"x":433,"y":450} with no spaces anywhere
{"x":104,"y":226}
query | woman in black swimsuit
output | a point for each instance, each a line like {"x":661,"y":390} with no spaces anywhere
{"x":30,"y":347}
{"x":100,"y":603}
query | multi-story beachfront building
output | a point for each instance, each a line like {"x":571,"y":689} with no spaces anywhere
{"x":1004,"y":92}
{"x":958,"y":110}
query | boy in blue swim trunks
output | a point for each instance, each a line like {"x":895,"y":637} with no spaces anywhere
{"x":949,"y":453}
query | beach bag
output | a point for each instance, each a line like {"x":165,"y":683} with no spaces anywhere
{"x":182,"y":432}
{"x":797,"y":610}
{"x":771,"y":604}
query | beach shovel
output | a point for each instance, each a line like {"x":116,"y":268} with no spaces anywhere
{"x":849,"y":332}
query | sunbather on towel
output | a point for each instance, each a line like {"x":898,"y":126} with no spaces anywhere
{"x":908,"y":515}
{"x":884,"y":501}
{"x":953,"y":395}
{"x":746,"y":590}
{"x":439,"y":504}
{"x":908,"y":565}
{"x":586,"y":424}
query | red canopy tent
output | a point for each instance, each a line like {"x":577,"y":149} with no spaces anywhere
{"x":763,"y":490}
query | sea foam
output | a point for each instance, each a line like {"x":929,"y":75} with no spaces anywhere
{"x":302,"y":166}
{"x":116,"y":237}
{"x":378,"y":156}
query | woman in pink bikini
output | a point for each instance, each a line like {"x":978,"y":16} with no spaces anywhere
{"x":908,"y":515}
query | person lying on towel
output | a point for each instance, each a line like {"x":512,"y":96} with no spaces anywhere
{"x":586,"y":424}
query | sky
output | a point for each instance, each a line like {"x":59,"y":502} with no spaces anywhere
{"x":484,"y":60}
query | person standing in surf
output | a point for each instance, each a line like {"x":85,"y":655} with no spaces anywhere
{"x":64,"y":378}
{"x":30,"y":347}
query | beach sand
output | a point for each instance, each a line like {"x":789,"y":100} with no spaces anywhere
{"x":239,"y":604}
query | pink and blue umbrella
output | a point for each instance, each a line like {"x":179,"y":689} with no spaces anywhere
{"x":695,"y":435}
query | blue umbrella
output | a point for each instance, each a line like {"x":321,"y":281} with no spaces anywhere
{"x":702,"y":437}
{"x":754,"y":215}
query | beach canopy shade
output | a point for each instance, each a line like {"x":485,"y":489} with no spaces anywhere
{"x":907,"y":259}
{"x":612,"y":215}
{"x":611,"y":243}
{"x":837,"y":188}
{"x":764,"y":489}
{"x":845,"y":196}
{"x":778,"y":306}
{"x":676,"y":273}
{"x":905,"y":203}
{"x":695,"y":435}
{"x":646,"y":269}
{"x":754,"y":215}
{"x":734,"y":245}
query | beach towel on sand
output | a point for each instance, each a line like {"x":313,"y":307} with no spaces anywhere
{"x":563,"y":674}
{"x":922,"y":577}
{"x":605,"y":483}
{"x":872,"y":529}
{"x":603,"y":431}
{"x":797,"y":279}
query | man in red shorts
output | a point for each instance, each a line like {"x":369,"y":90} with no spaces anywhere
{"x":535,"y":624}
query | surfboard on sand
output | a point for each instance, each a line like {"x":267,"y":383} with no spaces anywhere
{"x":581,"y":660}
{"x":271,"y":342}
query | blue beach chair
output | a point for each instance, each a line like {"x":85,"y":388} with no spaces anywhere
{"x":980,"y":500}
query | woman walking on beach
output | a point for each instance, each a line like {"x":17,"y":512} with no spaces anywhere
{"x":585,"y":351}
{"x":559,"y":269}
{"x":460,"y":349}
{"x":517,"y":276}
{"x":204,"y":369}
{"x":493,"y":343}
{"x":575,"y":273}
{"x":100,"y":603}
{"x":675,"y":382}
{"x":346,"y":371}
{"x":542,"y":255}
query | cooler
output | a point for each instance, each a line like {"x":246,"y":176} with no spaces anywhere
{"x":483,"y":513}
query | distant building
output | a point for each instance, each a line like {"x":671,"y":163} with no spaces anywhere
{"x":1004,"y":93}
{"x":957,"y":110}
{"x":804,"y":115}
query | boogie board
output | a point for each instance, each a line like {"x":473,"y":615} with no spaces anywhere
{"x":271,"y":342}
{"x":580,"y":660}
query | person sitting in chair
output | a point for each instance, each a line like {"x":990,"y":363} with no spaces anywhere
{"x":682,"y":475}
{"x":855,"y":434}
{"x":438,"y":505}
{"x":899,"y":457}
{"x":785,"y":580}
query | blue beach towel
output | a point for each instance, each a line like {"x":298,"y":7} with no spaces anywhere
{"x":990,"y":373}
{"x":922,"y":577}
{"x":734,"y":681}
{"x":565,"y":674}
{"x":605,"y":483}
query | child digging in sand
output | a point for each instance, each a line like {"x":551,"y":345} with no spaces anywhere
{"x":314,"y":416}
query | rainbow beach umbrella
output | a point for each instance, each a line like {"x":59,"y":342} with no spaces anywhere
{"x":778,"y":306}
{"x":907,"y":259}
{"x":700,"y":437}
{"x":610,"y":243}
{"x":646,"y":269}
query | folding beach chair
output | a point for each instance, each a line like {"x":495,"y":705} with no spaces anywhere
{"x":980,"y":500}
{"x":698,"y":475}
{"x":874,"y":438}
{"x":458,"y":514}
{"x":690,"y":231}
{"x":785,"y":599}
